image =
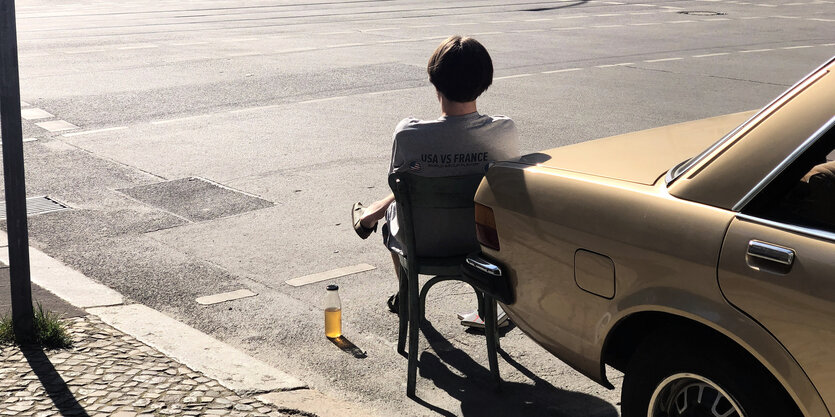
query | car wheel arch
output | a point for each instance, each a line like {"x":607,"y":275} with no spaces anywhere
{"x":631,"y":330}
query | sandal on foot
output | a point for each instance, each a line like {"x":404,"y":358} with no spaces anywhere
{"x":356,"y":216}
{"x":394,"y":303}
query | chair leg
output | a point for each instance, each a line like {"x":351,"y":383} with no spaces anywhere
{"x":480,"y":299}
{"x":492,"y":335}
{"x":414,"y":333}
{"x":403,"y":311}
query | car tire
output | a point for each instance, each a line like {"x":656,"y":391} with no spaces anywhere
{"x":677,"y":375}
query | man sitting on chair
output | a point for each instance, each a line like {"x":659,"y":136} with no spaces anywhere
{"x":460,"y":142}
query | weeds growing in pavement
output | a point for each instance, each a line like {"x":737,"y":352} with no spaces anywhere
{"x":50,"y":332}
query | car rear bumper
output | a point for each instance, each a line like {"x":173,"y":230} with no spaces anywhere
{"x":489,"y":276}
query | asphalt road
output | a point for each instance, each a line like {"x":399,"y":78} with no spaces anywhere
{"x":293,"y":105}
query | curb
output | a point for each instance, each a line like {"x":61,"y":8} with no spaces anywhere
{"x":231,"y":367}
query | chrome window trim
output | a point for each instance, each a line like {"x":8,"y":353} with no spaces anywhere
{"x":807,"y":231}
{"x":783,"y":164}
{"x":727,"y":137}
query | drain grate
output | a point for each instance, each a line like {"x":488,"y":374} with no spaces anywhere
{"x":35,"y":206}
{"x":702,"y":13}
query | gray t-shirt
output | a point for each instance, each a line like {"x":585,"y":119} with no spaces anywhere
{"x":450,"y":146}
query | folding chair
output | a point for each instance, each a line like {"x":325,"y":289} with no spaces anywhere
{"x":426,"y":206}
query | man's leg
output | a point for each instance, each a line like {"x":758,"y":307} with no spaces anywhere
{"x":376,"y":211}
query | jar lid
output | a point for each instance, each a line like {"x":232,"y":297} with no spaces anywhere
{"x":333,"y":287}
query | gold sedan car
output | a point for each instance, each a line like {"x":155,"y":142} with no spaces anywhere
{"x":709,"y":280}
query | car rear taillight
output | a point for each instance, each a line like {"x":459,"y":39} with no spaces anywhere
{"x":485,"y":227}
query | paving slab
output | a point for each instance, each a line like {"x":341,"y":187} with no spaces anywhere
{"x":233,"y":368}
{"x":48,"y":300}
{"x":109,"y":373}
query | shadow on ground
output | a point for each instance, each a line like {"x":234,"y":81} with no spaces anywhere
{"x":54,"y":385}
{"x":478,"y":395}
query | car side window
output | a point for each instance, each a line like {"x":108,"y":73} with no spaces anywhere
{"x":804,"y":194}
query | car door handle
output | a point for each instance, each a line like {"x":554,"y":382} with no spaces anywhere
{"x":770,"y":252}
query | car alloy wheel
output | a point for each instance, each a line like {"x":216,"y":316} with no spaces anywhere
{"x":691,"y":395}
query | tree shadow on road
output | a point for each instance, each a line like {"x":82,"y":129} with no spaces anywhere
{"x":54,"y":385}
{"x":478,"y":395}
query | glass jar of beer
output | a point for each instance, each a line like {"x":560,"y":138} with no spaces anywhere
{"x":333,"y":312}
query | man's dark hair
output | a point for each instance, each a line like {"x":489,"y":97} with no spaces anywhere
{"x":460,"y":69}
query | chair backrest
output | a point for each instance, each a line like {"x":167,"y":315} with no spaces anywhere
{"x":436,"y":214}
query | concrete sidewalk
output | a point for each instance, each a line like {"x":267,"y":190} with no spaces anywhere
{"x":130,"y":360}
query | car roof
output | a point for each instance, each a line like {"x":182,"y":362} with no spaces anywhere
{"x":725,"y":173}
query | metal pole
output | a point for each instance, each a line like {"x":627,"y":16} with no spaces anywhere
{"x":12,"y":135}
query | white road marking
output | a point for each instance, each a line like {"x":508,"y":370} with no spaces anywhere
{"x":379,"y":29}
{"x":786,"y":17}
{"x":512,"y":76}
{"x":752,"y":17}
{"x":179,"y":119}
{"x":644,"y":24}
{"x":615,"y":65}
{"x":607,"y":14}
{"x":379,"y":93}
{"x":28,"y":140}
{"x":664,"y":59}
{"x":821,"y":20}
{"x":756,"y":50}
{"x":707,"y":55}
{"x":249,"y":109}
{"x":139,"y":46}
{"x":320,"y":100}
{"x":90,"y":132}
{"x":344,"y":32}
{"x":326,"y":275}
{"x":35,"y":113}
{"x":345,"y":45}
{"x":188,"y":43}
{"x":571,"y":28}
{"x":243,"y":54}
{"x":226,"y":296}
{"x":56,"y":125}
{"x":83,"y":51}
{"x":561,"y":70}
{"x":794,"y":4}
{"x":827,"y":44}
{"x":309,"y":48}
{"x":797,"y":47}
{"x":765,"y":5}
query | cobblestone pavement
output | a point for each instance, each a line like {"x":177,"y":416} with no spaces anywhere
{"x":108,"y":373}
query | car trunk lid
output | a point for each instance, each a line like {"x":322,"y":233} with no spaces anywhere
{"x":640,"y":157}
